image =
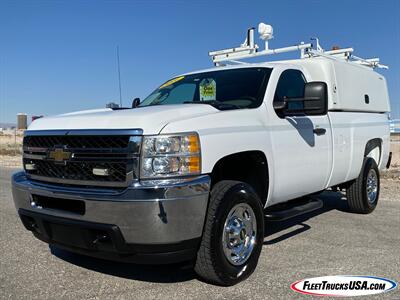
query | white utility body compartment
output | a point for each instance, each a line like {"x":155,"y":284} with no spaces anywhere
{"x":358,"y":88}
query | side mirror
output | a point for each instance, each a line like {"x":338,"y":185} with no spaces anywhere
{"x":314,"y":101}
{"x":316,"y":98}
{"x":135,"y":102}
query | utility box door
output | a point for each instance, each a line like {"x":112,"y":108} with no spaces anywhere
{"x":359,"y":88}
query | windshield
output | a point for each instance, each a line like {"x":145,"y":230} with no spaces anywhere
{"x":225,"y":89}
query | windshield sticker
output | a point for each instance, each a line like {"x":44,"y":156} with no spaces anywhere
{"x":172,"y":81}
{"x":208,"y":89}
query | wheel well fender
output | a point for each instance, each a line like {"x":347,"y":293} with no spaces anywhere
{"x":250,"y":167}
{"x":373,"y":149}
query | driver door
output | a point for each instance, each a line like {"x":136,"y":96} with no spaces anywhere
{"x":302,"y":155}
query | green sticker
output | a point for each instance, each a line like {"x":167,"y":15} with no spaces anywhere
{"x":208,"y":89}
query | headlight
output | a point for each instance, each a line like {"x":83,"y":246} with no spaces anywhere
{"x":170,"y":155}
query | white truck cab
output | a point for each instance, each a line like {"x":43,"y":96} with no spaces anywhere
{"x":193,"y":171}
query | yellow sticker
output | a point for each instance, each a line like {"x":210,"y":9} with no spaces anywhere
{"x":172,"y":81}
{"x":208,"y":89}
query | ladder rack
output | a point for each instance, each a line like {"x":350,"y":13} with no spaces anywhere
{"x":249,"y":49}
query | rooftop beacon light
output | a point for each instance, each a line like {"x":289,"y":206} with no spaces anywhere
{"x":266,"y":33}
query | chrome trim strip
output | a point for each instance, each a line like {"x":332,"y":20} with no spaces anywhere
{"x":34,"y":156}
{"x":153,"y":191}
{"x":83,"y":150}
{"x":137,"y":131}
{"x":35,"y":149}
{"x":171,"y":182}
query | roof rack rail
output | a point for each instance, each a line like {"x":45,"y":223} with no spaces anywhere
{"x":249,"y":49}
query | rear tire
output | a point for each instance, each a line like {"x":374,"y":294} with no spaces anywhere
{"x":363,"y":192}
{"x":235,"y":221}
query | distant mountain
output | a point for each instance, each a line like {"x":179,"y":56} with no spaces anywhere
{"x":7,"y":125}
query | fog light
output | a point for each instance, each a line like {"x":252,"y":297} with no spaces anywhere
{"x":101,"y":172}
{"x":30,"y":167}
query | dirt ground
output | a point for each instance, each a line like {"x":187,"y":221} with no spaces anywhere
{"x":10,"y":143}
{"x":395,"y":148}
{"x":329,"y":241}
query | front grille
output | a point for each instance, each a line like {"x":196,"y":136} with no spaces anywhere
{"x":77,"y":141}
{"x":116,"y":155}
{"x":81,"y":170}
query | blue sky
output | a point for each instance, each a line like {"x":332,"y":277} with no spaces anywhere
{"x":60,"y":56}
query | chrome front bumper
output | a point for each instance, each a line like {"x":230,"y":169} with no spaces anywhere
{"x":156,"y":212}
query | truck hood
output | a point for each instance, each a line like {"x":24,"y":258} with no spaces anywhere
{"x":151,"y":118}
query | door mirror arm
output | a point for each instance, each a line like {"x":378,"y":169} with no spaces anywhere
{"x":280,"y":105}
{"x":135,"y":102}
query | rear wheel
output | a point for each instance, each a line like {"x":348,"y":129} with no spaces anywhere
{"x":233,"y":234}
{"x":363,"y":192}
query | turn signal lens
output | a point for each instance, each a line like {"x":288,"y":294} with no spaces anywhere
{"x":193,"y":144}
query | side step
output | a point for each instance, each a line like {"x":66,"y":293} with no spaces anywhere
{"x":293,"y":210}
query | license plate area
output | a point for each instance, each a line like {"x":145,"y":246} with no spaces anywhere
{"x":59,"y":204}
{"x":74,"y":233}
{"x":68,"y":235}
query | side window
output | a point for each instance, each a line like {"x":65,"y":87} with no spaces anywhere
{"x":291,"y":85}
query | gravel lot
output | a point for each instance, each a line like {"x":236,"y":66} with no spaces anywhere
{"x":330,"y":241}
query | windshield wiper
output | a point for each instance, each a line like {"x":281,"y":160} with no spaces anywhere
{"x":215,"y":103}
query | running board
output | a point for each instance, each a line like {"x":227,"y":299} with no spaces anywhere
{"x":294,"y":210}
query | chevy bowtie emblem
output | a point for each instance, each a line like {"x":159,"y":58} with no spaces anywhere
{"x":59,"y":154}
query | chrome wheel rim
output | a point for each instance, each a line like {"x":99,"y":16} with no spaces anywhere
{"x":239,"y":234}
{"x":372,"y":186}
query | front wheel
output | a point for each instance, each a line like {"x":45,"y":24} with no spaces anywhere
{"x":233,"y":234}
{"x":363,"y":192}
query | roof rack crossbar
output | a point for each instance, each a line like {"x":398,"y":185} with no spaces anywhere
{"x":249,"y":49}
{"x":348,"y":56}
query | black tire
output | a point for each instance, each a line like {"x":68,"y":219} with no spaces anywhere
{"x":211,"y":263}
{"x":356,"y":193}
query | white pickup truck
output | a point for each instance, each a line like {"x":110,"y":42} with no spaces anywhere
{"x":192,"y":171}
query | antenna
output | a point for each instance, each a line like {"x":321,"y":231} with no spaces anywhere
{"x":119,"y":78}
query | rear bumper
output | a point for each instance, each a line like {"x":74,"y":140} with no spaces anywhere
{"x":149,"y":222}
